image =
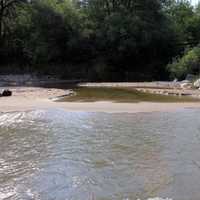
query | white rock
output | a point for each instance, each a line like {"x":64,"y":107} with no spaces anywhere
{"x":186,"y":85}
{"x":197,"y":83}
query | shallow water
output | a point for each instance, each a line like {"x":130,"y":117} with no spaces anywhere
{"x":57,"y":155}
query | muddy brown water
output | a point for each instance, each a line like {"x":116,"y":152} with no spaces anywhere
{"x":58,"y":155}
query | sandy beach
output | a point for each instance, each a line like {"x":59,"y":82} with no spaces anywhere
{"x":32,"y":98}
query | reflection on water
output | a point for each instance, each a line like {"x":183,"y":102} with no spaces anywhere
{"x":56,"y":155}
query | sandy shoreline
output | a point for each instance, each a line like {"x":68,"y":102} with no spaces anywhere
{"x":30,"y":98}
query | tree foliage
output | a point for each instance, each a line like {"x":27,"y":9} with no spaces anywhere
{"x":7,"y":13}
{"x":189,"y":63}
{"x":97,"y":39}
{"x":186,"y":23}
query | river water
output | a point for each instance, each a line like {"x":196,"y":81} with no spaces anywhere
{"x":58,"y":155}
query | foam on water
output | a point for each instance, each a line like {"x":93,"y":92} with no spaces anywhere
{"x":7,"y":119}
{"x":7,"y":195}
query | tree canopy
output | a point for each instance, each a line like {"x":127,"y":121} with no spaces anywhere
{"x":7,"y":13}
{"x":118,"y":40}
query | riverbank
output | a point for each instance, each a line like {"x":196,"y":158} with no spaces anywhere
{"x":31,"y":98}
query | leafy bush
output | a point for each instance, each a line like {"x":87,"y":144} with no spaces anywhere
{"x":189,"y":63}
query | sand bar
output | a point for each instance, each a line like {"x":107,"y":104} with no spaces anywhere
{"x":30,"y":98}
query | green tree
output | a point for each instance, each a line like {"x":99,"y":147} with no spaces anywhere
{"x":132,"y":37}
{"x":7,"y":12}
{"x":98,"y":39}
{"x":182,"y":16}
{"x":189,"y":63}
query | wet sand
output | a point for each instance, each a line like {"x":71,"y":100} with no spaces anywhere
{"x":30,"y":98}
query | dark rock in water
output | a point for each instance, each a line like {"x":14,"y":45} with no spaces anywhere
{"x":6,"y":93}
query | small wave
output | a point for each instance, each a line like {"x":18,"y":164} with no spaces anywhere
{"x":7,"y":195}
{"x":8,"y":119}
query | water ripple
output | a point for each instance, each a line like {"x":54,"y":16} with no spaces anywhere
{"x":60,"y":155}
